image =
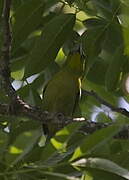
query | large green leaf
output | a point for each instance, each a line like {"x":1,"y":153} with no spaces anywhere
{"x":47,"y":18}
{"x":101,"y":175}
{"x":116,"y":6}
{"x":71,"y":43}
{"x":106,"y":9}
{"x":53,"y":36}
{"x":18,"y":127}
{"x":113,"y":36}
{"x":28,"y":146}
{"x":112,"y":76}
{"x":103,"y":164}
{"x":95,"y":140}
{"x":97,"y":71}
{"x":29,"y":93}
{"x":27,"y":17}
{"x":16,"y":4}
{"x":91,"y":41}
{"x":22,"y":146}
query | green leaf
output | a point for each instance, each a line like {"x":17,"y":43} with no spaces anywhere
{"x":112,"y":76}
{"x":87,"y":176}
{"x":87,"y":105}
{"x":103,"y":164}
{"x":24,"y":93}
{"x":104,"y":8}
{"x":28,"y":148}
{"x":103,"y":175}
{"x":22,"y":146}
{"x":71,"y":43}
{"x":116,"y":6}
{"x":17,"y":68}
{"x":53,"y":36}
{"x":113,"y":37}
{"x":126,"y":42}
{"x":62,"y":137}
{"x":3,"y":142}
{"x":57,"y":150}
{"x":30,"y":94}
{"x":16,"y":4}
{"x":86,"y":6}
{"x":25,"y":23}
{"x":35,"y":98}
{"x":60,"y":175}
{"x":91,"y":41}
{"x":95,"y":140}
{"x":125,"y":2}
{"x":3,"y":97}
{"x":47,"y":18}
{"x":18,"y":127}
{"x":91,"y":44}
{"x":97,"y":71}
{"x":50,"y":3}
{"x":120,"y":154}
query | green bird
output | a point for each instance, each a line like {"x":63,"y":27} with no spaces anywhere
{"x":62,"y":91}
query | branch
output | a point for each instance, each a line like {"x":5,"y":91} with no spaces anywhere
{"x":88,"y":127}
{"x":123,"y":111}
{"x":37,"y":114}
{"x":5,"y":54}
{"x":45,"y":117}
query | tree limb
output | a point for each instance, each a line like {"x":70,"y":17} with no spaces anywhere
{"x":88,"y":127}
{"x":5,"y":54}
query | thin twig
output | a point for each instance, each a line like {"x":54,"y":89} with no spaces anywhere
{"x":123,"y":111}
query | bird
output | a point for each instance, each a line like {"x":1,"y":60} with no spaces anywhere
{"x":62,"y":92}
